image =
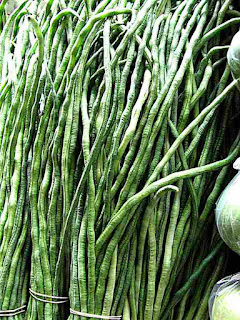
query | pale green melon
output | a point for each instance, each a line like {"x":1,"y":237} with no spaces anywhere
{"x":226,"y":305}
{"x":228,"y":215}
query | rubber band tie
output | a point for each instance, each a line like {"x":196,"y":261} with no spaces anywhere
{"x":88,"y":315}
{"x":12,"y":313}
{"x":36,"y":296}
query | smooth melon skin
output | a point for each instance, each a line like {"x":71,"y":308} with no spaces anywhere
{"x":226,"y":305}
{"x":228,"y":215}
{"x":229,"y":226}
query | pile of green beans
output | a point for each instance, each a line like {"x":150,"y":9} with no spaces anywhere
{"x":119,"y":121}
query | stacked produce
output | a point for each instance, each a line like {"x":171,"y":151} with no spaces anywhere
{"x":118,"y":124}
{"x":225,"y":296}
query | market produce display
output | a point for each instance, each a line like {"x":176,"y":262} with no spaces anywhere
{"x":119,"y":122}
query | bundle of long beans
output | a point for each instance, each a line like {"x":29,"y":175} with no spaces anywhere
{"x":119,"y":121}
